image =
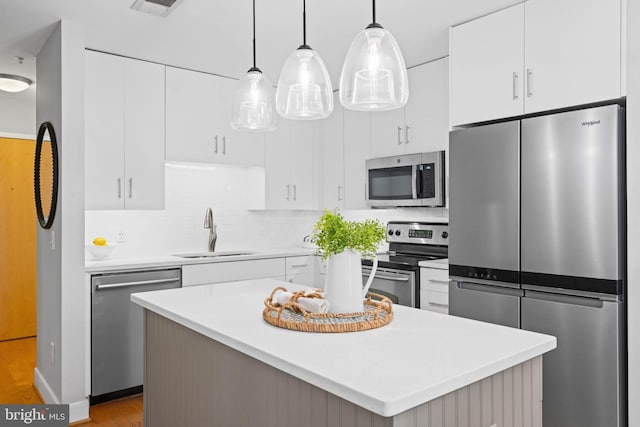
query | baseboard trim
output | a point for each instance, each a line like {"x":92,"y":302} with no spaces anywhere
{"x":16,"y":135}
{"x":78,"y":411}
{"x":42,"y":386}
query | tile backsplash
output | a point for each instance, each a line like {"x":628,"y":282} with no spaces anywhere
{"x":236,"y":196}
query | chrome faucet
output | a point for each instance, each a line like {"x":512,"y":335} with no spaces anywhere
{"x":213,"y":235}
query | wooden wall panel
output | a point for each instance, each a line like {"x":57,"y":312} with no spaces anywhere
{"x":18,"y":245}
{"x":193,"y":380}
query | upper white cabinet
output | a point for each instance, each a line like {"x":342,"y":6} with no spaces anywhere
{"x":536,"y":56}
{"x":290,"y":165}
{"x":357,"y":149}
{"x":124,"y":133}
{"x":198,"y":121}
{"x":332,"y":152}
{"x":487,"y":79}
{"x":423,"y":124}
{"x":572,"y":52}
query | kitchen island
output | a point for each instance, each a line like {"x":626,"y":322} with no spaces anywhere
{"x":210,"y":359}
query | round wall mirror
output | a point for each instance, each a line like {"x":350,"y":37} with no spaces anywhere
{"x":46,"y":175}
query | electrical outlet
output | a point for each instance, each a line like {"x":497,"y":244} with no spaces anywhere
{"x":53,"y":353}
{"x":121,"y":237}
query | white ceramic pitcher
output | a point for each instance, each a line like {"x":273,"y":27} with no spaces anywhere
{"x":343,"y":284}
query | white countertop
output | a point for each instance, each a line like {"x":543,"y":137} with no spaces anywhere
{"x":440,"y":264}
{"x":418,"y":357}
{"x":174,"y":261}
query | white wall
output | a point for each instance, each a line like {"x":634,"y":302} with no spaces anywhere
{"x":230,"y":192}
{"x":633,"y":208}
{"x":18,"y":114}
{"x":60,"y":254}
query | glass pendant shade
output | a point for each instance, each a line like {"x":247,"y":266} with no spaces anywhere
{"x":253,"y":103}
{"x":304,"y":88}
{"x":374,"y":75}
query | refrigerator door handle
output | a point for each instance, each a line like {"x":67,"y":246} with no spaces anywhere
{"x":489,"y":289}
{"x":564,"y":299}
{"x":485,"y":282}
{"x":571,"y":292}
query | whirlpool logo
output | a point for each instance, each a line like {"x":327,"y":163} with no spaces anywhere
{"x":36,"y":415}
{"x":591,"y":123}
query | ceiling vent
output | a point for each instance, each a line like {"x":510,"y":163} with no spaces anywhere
{"x":156,"y":7}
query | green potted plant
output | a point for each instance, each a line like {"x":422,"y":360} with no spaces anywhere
{"x":343,"y":244}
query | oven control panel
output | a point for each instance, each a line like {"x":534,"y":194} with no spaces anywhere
{"x":418,"y":232}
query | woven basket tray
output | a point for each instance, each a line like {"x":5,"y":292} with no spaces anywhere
{"x":292,"y":316}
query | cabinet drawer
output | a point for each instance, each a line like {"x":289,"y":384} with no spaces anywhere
{"x":300,"y":270}
{"x":201,"y":274}
{"x":434,"y":280}
{"x":434,"y":301}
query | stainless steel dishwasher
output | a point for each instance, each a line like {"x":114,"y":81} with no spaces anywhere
{"x":116,"y":329}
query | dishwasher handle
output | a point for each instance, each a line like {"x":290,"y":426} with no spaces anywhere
{"x":138,"y":283}
{"x":564,"y":299}
{"x":488,"y":289}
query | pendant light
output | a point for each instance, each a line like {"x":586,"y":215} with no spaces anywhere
{"x":304,"y":88}
{"x":253,"y":99}
{"x":13,"y":83}
{"x":374,"y":76}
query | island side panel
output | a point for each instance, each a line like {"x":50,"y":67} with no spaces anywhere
{"x":190,"y":379}
{"x":511,"y":398}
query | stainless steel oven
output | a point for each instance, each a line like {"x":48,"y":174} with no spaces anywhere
{"x":408,"y":180}
{"x":397,"y":285}
{"x":398,"y":274}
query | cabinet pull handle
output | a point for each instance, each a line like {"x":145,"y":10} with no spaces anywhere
{"x":288,"y":191}
{"x":339,"y":192}
{"x":299,"y":266}
{"x":515,"y":85}
{"x":224,"y":145}
{"x":130,"y":187}
{"x":215,"y":148}
{"x":399,"y":139}
{"x":406,"y":134}
{"x":295,"y":192}
{"x":119,"y":188}
{"x":529,"y":82}
{"x":444,"y":282}
{"x":435,"y":304}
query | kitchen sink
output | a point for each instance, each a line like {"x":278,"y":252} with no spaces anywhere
{"x":213,"y":254}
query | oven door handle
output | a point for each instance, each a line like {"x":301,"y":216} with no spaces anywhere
{"x":394,"y":278}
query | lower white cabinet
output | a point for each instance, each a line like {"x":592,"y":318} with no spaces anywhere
{"x":434,"y":290}
{"x":300,"y":270}
{"x":201,"y":274}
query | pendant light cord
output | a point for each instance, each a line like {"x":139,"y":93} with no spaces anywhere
{"x":304,"y":22}
{"x":374,"y":11}
{"x":254,"y":33}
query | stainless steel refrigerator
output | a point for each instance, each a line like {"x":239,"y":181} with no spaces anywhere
{"x":537,"y":241}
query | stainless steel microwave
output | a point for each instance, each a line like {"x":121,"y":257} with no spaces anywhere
{"x":408,"y":180}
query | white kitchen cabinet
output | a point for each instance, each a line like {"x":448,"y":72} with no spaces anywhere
{"x":332,"y":151}
{"x":434,"y":289}
{"x":423,"y":124}
{"x":487,"y":79}
{"x":217,"y":272}
{"x":124,"y":158}
{"x":290,"y":165}
{"x":572,"y":52}
{"x":300,"y":270}
{"x":535,"y":56}
{"x":357,"y":148}
{"x":198,"y":109}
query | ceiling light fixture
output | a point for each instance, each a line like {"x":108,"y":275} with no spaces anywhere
{"x":13,"y":83}
{"x":304,"y":88}
{"x":374,"y":75}
{"x":253,"y":99}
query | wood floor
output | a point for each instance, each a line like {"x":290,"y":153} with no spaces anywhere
{"x":17,"y":361}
